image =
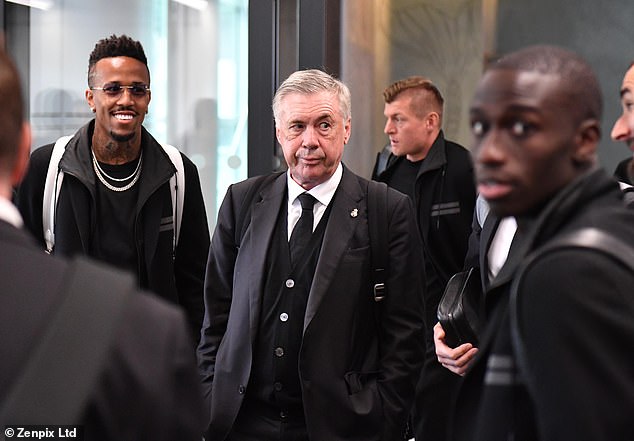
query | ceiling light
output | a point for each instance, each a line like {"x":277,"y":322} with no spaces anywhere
{"x":201,"y":5}
{"x":38,"y":4}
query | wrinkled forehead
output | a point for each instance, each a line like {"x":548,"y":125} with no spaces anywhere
{"x":320,"y":104}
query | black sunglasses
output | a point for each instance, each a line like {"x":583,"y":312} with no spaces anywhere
{"x":115,"y":90}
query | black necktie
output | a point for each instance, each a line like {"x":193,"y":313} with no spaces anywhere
{"x":303,"y":228}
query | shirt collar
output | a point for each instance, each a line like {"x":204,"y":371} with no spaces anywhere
{"x":9,"y":213}
{"x":323,"y":192}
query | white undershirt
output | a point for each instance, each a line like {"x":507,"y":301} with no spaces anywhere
{"x":9,"y":213}
{"x":500,"y":244}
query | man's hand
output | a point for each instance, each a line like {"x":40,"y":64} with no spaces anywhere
{"x":458,"y":359}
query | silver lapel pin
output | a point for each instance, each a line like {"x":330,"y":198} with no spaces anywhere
{"x":354,"y":213}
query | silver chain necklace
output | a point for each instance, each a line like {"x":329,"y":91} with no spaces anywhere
{"x":102,"y":175}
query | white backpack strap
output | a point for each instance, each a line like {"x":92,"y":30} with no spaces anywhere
{"x":177,"y":189}
{"x":625,"y":186}
{"x":52,"y":186}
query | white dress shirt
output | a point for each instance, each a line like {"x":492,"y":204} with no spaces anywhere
{"x":323,"y":192}
{"x":500,"y":245}
{"x":9,"y":213}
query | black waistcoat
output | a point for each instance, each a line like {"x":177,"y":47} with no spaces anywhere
{"x":275,"y":376}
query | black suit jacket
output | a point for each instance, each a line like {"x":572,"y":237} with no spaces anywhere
{"x":479,"y":243}
{"x":574,"y":315}
{"x":357,"y":373}
{"x":148,"y":388}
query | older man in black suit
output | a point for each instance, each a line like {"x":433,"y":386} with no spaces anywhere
{"x":294,"y":346}
{"x":142,"y":383}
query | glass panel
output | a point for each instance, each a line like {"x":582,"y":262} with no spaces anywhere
{"x":232,"y":68}
{"x":197,"y":55}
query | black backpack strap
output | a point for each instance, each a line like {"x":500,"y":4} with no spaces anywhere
{"x":601,"y":241}
{"x":589,"y":238}
{"x":382,"y":159}
{"x":247,"y":204}
{"x":378,"y":222}
{"x":628,"y":194}
{"x":592,"y":238}
{"x":64,"y":365}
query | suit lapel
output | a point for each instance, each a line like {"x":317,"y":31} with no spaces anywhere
{"x":495,"y":292}
{"x":520,"y":246}
{"x":489,"y":228}
{"x":257,"y":242}
{"x":339,"y":230}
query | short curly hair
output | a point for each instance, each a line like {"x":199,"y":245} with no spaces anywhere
{"x":115,"y":46}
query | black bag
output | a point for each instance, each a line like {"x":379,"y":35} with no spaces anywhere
{"x":458,"y":310}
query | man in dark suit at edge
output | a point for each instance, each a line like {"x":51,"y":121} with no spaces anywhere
{"x":296,"y":348}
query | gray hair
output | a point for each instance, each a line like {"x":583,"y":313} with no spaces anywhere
{"x":311,"y":81}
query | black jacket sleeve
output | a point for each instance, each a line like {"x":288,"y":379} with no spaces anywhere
{"x":192,"y":249}
{"x":30,"y":194}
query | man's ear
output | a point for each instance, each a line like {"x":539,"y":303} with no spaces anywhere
{"x":22,"y":155}
{"x":432,"y":120}
{"x":90,"y":99}
{"x":586,"y":141}
{"x":278,"y":134}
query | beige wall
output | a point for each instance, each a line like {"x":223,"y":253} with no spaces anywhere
{"x":385,"y":40}
{"x":365,"y":68}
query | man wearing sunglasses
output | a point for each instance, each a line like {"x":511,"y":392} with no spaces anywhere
{"x":114,"y":202}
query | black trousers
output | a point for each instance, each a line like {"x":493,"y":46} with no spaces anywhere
{"x":434,"y":399}
{"x":258,"y":422}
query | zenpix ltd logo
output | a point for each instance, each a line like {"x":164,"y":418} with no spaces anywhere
{"x":44,"y":432}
